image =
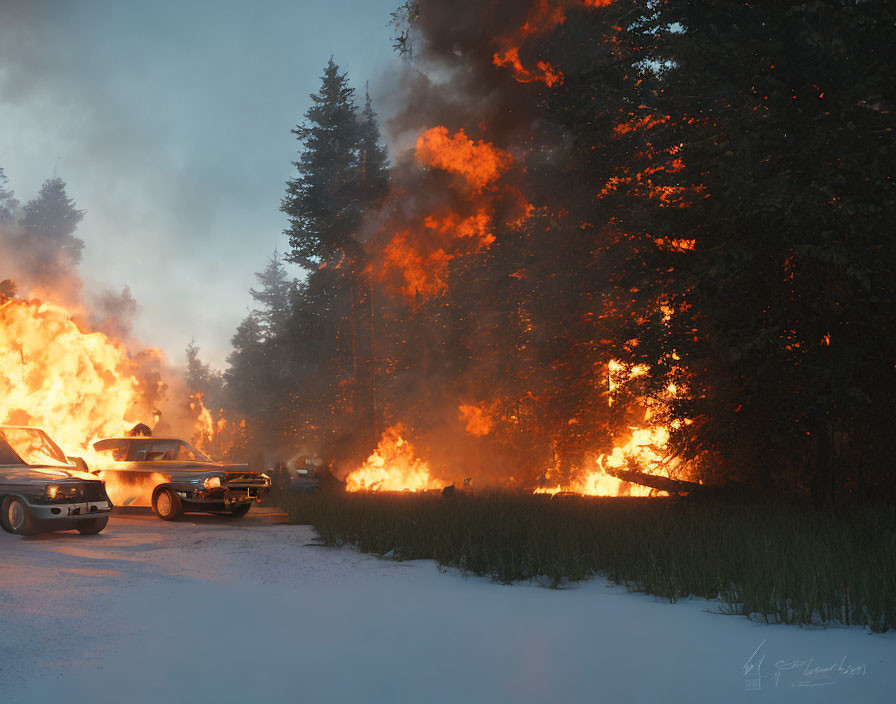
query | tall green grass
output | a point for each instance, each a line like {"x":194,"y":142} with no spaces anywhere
{"x":784,"y":563}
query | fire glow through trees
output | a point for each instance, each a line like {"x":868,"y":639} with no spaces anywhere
{"x":578,"y":269}
{"x":461,"y":196}
{"x":461,"y":219}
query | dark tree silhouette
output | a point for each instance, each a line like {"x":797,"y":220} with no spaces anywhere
{"x":273,"y":294}
{"x":53,"y":217}
{"x":201,"y":378}
{"x":8,"y":202}
{"x":323,"y":202}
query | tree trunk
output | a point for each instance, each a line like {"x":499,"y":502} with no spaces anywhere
{"x":822,"y":464}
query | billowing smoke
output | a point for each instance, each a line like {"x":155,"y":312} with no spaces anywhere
{"x":67,"y":360}
{"x":113,"y":312}
{"x":41,"y":266}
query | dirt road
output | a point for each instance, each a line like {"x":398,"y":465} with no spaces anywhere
{"x":241,"y":611}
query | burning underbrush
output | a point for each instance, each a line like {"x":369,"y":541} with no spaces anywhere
{"x":640,"y":463}
{"x":393,"y":466}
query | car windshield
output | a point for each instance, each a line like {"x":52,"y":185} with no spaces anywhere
{"x":116,"y":450}
{"x":35,"y":447}
{"x":170,"y":451}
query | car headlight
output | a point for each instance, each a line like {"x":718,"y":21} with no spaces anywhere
{"x":52,"y":491}
{"x":212,"y":482}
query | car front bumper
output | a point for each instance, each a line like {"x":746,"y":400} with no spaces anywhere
{"x":221,"y":498}
{"x":68,"y":515}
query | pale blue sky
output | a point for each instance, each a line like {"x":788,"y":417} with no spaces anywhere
{"x":170,"y":121}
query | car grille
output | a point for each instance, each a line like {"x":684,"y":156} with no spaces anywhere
{"x":94,"y":491}
{"x":80,"y":492}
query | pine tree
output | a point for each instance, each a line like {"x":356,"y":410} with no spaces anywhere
{"x":373,"y":160}
{"x":780,"y":115}
{"x":245,"y":374}
{"x":273,"y":295}
{"x":7,"y":202}
{"x":53,"y":218}
{"x":201,"y":378}
{"x":343,"y":176}
{"x":323,"y":202}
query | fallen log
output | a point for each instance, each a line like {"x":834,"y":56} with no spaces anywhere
{"x":660,"y":483}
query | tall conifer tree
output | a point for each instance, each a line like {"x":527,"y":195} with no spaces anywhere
{"x":323,"y":201}
{"x":53,"y":217}
{"x":7,"y":202}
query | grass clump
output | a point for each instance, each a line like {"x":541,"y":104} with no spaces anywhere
{"x":783,"y":563}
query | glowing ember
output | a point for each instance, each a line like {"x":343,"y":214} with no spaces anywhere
{"x":393,"y":466}
{"x":675,"y":245}
{"x":644,"y":122}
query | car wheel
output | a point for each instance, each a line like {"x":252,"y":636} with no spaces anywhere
{"x":167,"y":505}
{"x":241,"y":510}
{"x":93,"y":527}
{"x":15,"y":517}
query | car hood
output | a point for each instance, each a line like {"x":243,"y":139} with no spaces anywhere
{"x":177,"y":466}
{"x":30,"y":474}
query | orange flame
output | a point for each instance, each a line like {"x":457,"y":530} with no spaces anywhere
{"x":478,"y":422}
{"x":543,"y":16}
{"x":393,"y":466}
{"x":77,"y":386}
{"x":416,"y":259}
{"x":480,"y":163}
{"x":423,"y":274}
{"x":131,"y":489}
{"x":546,"y":73}
{"x":645,"y":450}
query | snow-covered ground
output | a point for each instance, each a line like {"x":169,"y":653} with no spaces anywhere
{"x":251,"y":611}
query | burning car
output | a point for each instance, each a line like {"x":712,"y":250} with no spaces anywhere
{"x":174,"y":477}
{"x":42,"y":490}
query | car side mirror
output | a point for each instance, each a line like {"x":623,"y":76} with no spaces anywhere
{"x":79,"y":463}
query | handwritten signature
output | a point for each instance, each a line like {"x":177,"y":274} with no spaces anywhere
{"x":798,"y":672}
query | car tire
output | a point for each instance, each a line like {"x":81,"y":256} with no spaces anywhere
{"x":241,"y":510}
{"x":167,"y":504}
{"x":15,"y":517}
{"x":93,"y":527}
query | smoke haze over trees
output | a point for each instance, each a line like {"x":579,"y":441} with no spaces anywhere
{"x":699,"y":191}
